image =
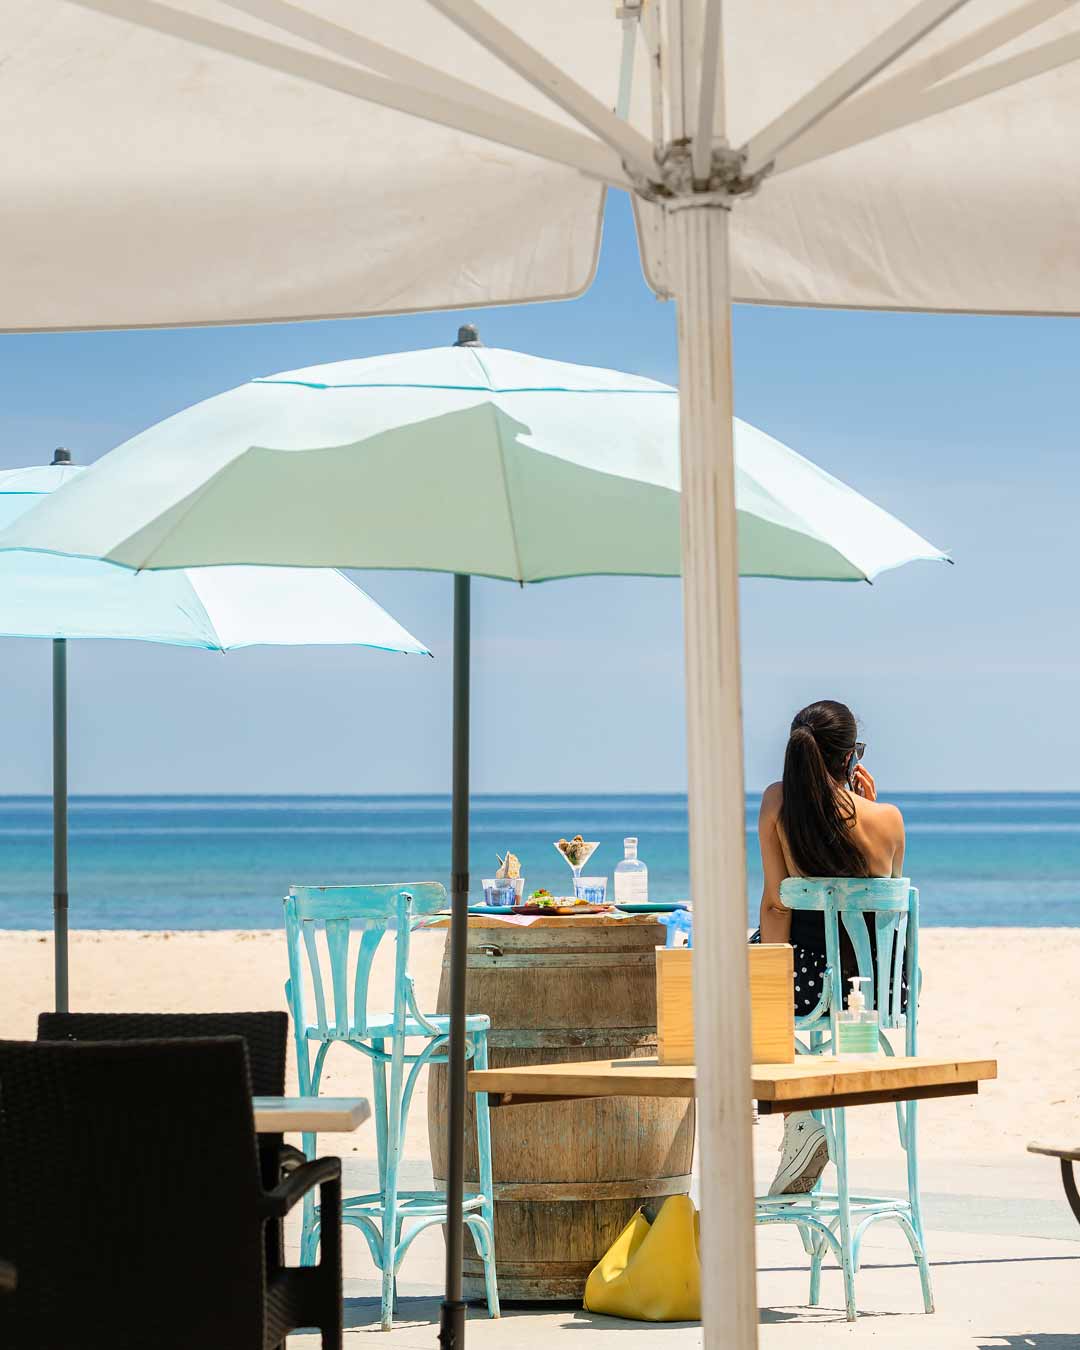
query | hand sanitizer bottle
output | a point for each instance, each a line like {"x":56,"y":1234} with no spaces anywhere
{"x":857,"y":1029}
{"x":631,"y":877}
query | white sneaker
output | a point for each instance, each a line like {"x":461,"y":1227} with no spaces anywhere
{"x":803,"y":1155}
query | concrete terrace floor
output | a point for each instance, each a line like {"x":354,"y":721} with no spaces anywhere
{"x":1004,"y":1249}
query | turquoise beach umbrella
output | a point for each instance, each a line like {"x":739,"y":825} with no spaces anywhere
{"x":217,"y":608}
{"x":465,"y":459}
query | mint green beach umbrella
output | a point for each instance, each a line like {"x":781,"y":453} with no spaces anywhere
{"x":217,"y":608}
{"x":464,"y":459}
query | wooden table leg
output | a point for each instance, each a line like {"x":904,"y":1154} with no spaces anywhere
{"x":1069,"y":1180}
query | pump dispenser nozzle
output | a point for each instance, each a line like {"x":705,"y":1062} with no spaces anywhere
{"x":857,"y":999}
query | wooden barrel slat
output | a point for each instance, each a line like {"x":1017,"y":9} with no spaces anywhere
{"x":568,"y":1175}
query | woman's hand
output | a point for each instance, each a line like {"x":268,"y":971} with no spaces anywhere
{"x":862,"y":782}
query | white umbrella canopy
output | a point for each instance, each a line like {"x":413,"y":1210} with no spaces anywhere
{"x":344,"y":159}
{"x":207,"y":161}
{"x":467,"y":459}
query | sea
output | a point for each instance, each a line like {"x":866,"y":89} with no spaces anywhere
{"x":189,"y":862}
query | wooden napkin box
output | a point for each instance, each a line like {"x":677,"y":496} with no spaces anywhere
{"x":772,"y":1004}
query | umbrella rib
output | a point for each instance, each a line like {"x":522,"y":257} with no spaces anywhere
{"x":520,"y":130}
{"x":763,"y":147}
{"x":856,"y":120}
{"x":502,"y":467}
{"x":1026,"y":65}
{"x":650,"y":27}
{"x":515,"y":53}
{"x":711,"y":89}
{"x":354,"y":46}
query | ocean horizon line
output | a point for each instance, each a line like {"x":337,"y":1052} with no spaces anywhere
{"x":1038,"y":794}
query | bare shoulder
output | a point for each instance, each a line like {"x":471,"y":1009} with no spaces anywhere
{"x":771,"y":799}
{"x":881,"y":817}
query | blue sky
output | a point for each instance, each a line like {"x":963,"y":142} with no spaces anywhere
{"x":963,"y":677}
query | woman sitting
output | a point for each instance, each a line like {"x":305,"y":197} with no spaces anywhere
{"x":822,"y":820}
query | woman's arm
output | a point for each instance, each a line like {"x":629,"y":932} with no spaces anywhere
{"x":775,"y":916}
{"x":899,"y":846}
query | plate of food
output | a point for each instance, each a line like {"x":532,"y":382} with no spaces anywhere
{"x":562,"y":906}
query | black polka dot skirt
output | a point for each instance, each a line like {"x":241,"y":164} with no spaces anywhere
{"x":809,"y":973}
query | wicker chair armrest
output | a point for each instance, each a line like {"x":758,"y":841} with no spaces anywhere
{"x":277,"y":1203}
{"x":290,"y":1158}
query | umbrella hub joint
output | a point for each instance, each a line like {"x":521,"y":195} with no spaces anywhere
{"x":675,"y":186}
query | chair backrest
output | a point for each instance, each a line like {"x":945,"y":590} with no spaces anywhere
{"x":129,"y":1195}
{"x":341,"y":912}
{"x":880,"y":916}
{"x":265,"y":1034}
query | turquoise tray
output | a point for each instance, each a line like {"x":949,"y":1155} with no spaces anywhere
{"x":659,"y":907}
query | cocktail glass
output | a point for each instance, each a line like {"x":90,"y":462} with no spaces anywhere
{"x":582,"y":855}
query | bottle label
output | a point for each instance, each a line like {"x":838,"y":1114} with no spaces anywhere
{"x":858,"y":1038}
{"x":631,"y":888}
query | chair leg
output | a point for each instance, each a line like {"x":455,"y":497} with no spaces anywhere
{"x":487,"y":1184}
{"x":398,"y":1231}
{"x":844,"y":1206}
{"x":333,"y":1313}
{"x":816,"y":1256}
{"x":389,"y":1184}
{"x":309,"y":1236}
{"x":918,"y":1247}
{"x":378,"y":1082}
{"x":309,"y":1232}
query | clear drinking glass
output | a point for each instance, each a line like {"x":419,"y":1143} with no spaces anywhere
{"x":500,"y":890}
{"x":593,"y":890}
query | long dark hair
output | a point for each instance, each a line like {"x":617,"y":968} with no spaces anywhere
{"x":816,"y":815}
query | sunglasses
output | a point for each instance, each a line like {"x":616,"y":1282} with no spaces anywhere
{"x":858,"y":750}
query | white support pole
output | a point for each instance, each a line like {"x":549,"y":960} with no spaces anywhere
{"x":698,"y":238}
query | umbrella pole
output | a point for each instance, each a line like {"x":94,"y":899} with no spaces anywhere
{"x":452,"y":1316}
{"x":60,"y":822}
{"x":698,"y":241}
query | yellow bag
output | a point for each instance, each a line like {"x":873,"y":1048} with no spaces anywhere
{"x":651,"y":1273}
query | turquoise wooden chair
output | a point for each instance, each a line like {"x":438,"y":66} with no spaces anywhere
{"x":391,"y":1218}
{"x":889,"y":907}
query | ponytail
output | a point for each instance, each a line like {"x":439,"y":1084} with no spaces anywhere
{"x":817,"y":818}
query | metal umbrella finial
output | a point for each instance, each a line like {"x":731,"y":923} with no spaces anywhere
{"x":468,"y":335}
{"x":61,"y":456}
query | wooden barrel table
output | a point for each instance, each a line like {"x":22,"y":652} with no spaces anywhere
{"x":568,"y":1175}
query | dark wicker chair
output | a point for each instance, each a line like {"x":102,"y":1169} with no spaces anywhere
{"x":266,"y":1035}
{"x":131,"y":1203}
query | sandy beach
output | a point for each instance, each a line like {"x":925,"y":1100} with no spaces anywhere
{"x":1002,"y":1243}
{"x":1006,"y":993}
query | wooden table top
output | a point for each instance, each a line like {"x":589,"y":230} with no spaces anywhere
{"x":812,"y":1081}
{"x":315,"y":1115}
{"x":1065,"y":1152}
{"x":545,"y":920}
